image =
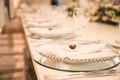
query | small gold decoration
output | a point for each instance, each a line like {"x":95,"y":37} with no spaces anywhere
{"x":49,"y":28}
{"x":72,"y":46}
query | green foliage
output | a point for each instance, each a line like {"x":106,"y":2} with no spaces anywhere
{"x":107,"y":13}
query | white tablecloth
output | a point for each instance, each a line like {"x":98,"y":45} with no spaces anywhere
{"x":93,"y":31}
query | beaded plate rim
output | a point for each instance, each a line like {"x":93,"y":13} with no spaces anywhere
{"x":88,"y":60}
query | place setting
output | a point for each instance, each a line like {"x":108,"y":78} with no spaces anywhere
{"x":77,"y":55}
{"x":53,"y":32}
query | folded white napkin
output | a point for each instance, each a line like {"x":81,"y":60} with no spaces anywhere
{"x":55,"y":32}
{"x":80,"y":52}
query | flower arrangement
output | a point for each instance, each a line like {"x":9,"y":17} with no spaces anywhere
{"x":107,"y":12}
{"x":71,"y":7}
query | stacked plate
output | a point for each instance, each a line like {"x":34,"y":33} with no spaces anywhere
{"x":41,"y":23}
{"x":77,"y":55}
{"x":78,"y":52}
{"x":53,"y":32}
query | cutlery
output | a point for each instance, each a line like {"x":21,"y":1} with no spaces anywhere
{"x":80,"y":75}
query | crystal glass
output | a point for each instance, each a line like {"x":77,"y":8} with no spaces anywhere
{"x":81,"y":15}
{"x":119,"y":26}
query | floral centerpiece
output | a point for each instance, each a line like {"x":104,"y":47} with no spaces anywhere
{"x":107,"y":12}
{"x":71,"y":7}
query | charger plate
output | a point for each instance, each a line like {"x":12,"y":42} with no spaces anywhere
{"x":75,"y":67}
{"x":85,"y":52}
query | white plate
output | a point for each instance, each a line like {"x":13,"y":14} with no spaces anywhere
{"x":81,"y":54}
{"x":55,"y":32}
{"x":36,"y":19}
{"x":76,"y":67}
{"x":45,"y":24}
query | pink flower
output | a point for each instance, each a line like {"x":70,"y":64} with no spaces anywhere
{"x":105,"y":18}
{"x":116,"y":2}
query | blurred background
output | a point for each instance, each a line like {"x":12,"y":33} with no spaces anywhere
{"x":15,"y":59}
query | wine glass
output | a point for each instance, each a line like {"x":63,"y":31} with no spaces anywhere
{"x":81,"y":16}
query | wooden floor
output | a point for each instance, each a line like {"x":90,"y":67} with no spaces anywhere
{"x":15,"y":61}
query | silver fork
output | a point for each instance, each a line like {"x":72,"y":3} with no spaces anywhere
{"x":80,"y":75}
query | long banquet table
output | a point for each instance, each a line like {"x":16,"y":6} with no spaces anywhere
{"x":94,"y":31}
